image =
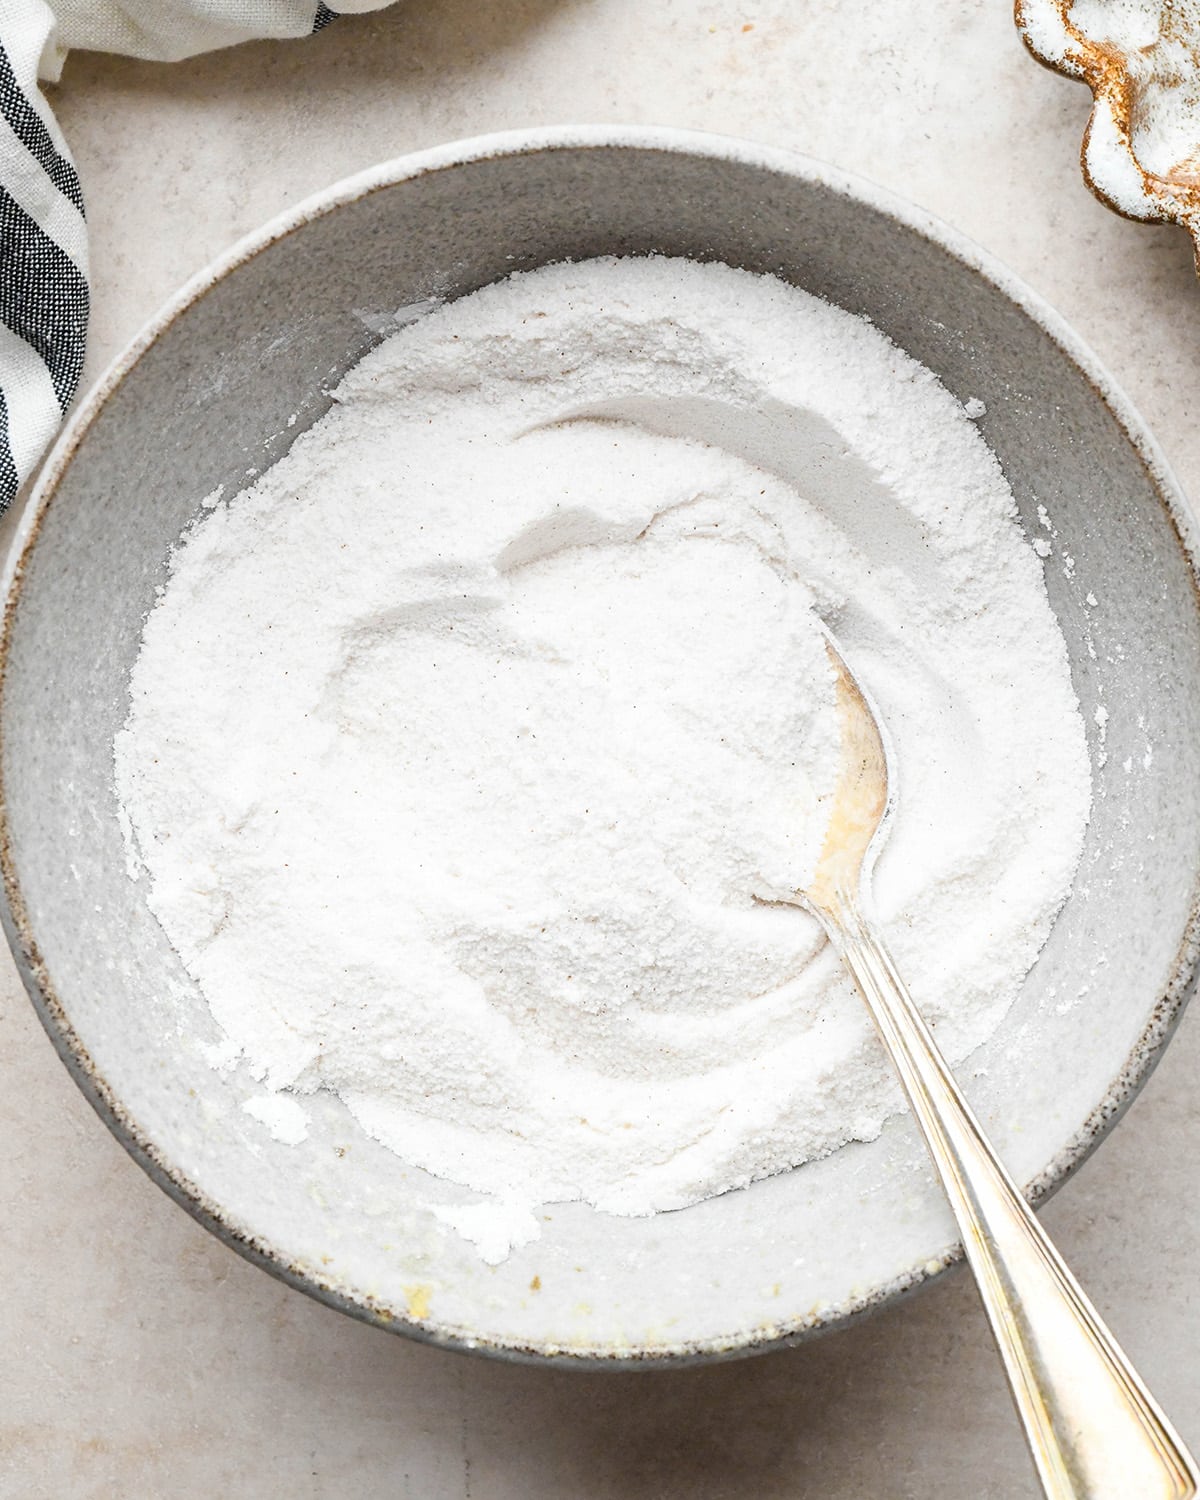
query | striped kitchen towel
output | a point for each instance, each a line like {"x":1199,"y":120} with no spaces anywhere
{"x":43,"y":234}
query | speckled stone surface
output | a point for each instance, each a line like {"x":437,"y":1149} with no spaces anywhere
{"x":140,"y":1357}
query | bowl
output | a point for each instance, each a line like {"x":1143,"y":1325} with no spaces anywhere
{"x":219,"y":385}
{"x":1141,"y":148}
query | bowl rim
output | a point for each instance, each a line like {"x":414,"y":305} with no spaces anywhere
{"x":1120,"y":1093}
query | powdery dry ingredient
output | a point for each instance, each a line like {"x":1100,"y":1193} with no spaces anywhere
{"x":465,"y":745}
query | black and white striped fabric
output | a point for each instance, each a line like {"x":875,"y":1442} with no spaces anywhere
{"x":43,"y":232}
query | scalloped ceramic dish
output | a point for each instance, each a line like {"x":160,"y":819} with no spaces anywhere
{"x":1141,"y":60}
{"x":211,"y":391}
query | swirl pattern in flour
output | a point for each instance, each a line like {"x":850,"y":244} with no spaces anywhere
{"x":466,"y":746}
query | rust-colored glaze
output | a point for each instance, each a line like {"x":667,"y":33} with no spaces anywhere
{"x":1175,"y":195}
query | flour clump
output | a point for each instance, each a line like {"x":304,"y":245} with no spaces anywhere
{"x":472,"y":747}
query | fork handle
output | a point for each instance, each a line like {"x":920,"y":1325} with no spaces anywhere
{"x":1095,"y":1431}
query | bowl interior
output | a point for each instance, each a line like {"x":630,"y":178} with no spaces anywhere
{"x":211,"y":400}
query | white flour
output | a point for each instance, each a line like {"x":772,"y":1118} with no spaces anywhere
{"x":462,"y":743}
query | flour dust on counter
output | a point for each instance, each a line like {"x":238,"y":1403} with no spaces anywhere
{"x":471,"y":748}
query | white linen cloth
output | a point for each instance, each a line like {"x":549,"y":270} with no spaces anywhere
{"x":43,"y":231}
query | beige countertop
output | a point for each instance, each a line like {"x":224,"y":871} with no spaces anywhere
{"x":141,"y":1358}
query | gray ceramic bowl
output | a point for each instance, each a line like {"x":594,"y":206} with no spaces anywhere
{"x":205,"y":397}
